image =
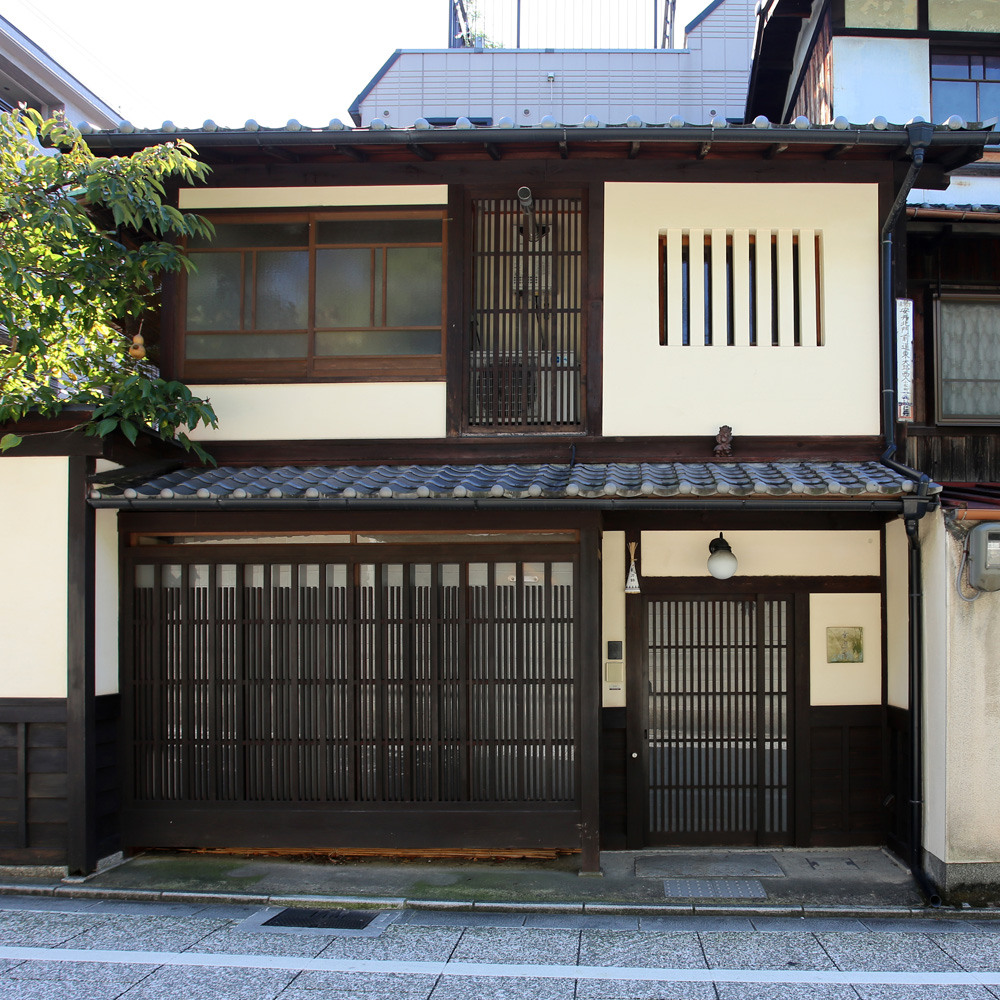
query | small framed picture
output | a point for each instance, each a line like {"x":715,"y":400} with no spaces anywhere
{"x":845,"y":644}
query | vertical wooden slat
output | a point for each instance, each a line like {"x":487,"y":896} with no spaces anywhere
{"x":807,"y":288}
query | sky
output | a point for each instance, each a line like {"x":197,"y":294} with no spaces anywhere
{"x":190,"y":60}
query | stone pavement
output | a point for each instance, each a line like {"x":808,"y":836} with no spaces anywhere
{"x":57,"y":948}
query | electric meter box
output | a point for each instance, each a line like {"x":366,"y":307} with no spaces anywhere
{"x":984,"y":556}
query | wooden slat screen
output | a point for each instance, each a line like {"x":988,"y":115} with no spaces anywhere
{"x":718,"y":673}
{"x":262,"y":681}
{"x":526,"y":350}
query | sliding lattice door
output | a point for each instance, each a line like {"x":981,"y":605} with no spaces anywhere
{"x":719,"y":676}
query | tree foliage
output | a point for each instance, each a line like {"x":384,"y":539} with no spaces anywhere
{"x":84,"y":241}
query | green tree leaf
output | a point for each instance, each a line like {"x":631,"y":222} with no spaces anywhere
{"x":84,"y":242}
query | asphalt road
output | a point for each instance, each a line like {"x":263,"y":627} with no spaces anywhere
{"x":84,"y":950}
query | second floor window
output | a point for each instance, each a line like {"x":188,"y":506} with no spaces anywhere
{"x":966,"y":85}
{"x":317,"y":296}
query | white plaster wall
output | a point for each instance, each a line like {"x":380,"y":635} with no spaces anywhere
{"x":763,"y":553}
{"x":34,"y":494}
{"x":973,"y":720}
{"x":613,"y":611}
{"x":322,"y":411}
{"x":936,"y":586}
{"x":897,"y":613}
{"x":312,"y":197}
{"x":845,"y":683}
{"x":106,"y":602}
{"x":652,"y":389}
{"x":881,"y":76}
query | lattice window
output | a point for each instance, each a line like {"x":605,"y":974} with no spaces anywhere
{"x":741,"y":288}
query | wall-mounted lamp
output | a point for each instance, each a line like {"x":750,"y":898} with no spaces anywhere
{"x":722,"y":564}
{"x":632,"y":580}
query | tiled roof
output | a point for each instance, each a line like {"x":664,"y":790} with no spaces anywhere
{"x":515,"y":482}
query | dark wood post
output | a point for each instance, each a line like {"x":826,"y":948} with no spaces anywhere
{"x":589,"y":746}
{"x":81,"y":853}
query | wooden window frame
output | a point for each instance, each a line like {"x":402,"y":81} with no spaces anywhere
{"x":940,"y":417}
{"x":310,"y":367}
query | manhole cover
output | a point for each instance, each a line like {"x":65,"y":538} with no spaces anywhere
{"x":341,"y":920}
{"x":713,"y":888}
{"x":701,"y":865}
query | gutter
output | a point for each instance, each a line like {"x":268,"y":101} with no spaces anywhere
{"x":921,"y":135}
{"x":261,"y":504}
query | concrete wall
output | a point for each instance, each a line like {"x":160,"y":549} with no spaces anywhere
{"x":881,"y":76}
{"x":845,"y":683}
{"x":34,"y":498}
{"x":106,"y":602}
{"x":707,"y":78}
{"x":682,"y":390}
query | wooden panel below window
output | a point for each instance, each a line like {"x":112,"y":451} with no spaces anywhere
{"x":846,"y":784}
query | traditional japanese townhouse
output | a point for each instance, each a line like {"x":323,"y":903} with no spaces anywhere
{"x":929,"y":60}
{"x":463,"y":376}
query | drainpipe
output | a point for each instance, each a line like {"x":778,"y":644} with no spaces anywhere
{"x":921,"y":135}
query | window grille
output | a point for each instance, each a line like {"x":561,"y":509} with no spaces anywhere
{"x":741,"y":288}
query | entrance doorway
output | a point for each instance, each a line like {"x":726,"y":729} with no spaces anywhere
{"x":713,"y":721}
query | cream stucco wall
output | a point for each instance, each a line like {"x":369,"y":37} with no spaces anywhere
{"x":972,"y":705}
{"x":613,"y":614}
{"x":845,"y":683}
{"x":897,"y":614}
{"x":326,"y":411}
{"x":678,"y":390}
{"x":34,"y":496}
{"x":937,"y":583}
{"x":763,"y":553}
{"x":199,"y":199}
{"x":106,"y":602}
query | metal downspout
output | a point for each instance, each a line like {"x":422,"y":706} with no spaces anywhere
{"x":921,"y":134}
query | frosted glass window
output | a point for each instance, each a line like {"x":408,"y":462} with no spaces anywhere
{"x":374,"y":342}
{"x":896,"y":14}
{"x":282,"y":290}
{"x":963,"y":15}
{"x":247,"y":345}
{"x":344,"y":287}
{"x":379,"y":231}
{"x":213,"y":292}
{"x":413,"y":286}
{"x":969,"y":352}
{"x":258,"y":234}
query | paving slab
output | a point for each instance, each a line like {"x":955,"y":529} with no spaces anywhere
{"x":887,"y":953}
{"x":41,"y":930}
{"x":97,"y":973}
{"x":461,"y":918}
{"x":806,"y":925}
{"x":784,"y":991}
{"x":534,"y":946}
{"x":211,"y":984}
{"x":582,"y":921}
{"x":979,"y":952}
{"x":428,"y":944}
{"x":641,"y":950}
{"x":707,"y":864}
{"x":129,"y":932}
{"x":702,"y":925}
{"x":924,"y":993}
{"x":323,"y":985}
{"x":485,"y":988}
{"x":626,"y":989}
{"x":780,"y":950}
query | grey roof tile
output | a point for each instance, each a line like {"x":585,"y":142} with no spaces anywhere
{"x":514,"y":481}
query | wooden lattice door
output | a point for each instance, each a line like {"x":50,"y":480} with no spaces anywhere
{"x":717,"y":720}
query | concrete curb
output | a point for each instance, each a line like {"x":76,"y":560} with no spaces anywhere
{"x":489,"y":906}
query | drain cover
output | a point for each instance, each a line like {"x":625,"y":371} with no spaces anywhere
{"x":341,"y":920}
{"x":713,"y":888}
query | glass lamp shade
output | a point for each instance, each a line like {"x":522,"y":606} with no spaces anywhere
{"x":722,"y":564}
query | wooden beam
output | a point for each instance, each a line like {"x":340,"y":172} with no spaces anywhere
{"x":493,"y":150}
{"x":832,"y":154}
{"x":81,"y":715}
{"x":358,"y":155}
{"x":776,"y":149}
{"x":633,"y":150}
{"x":703,"y":150}
{"x":564,"y":150}
{"x":422,"y":151}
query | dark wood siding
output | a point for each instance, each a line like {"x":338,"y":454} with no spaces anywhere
{"x":846,"y":782}
{"x":349,"y":695}
{"x":613,"y":780}
{"x":899,"y":780}
{"x":814,"y":95}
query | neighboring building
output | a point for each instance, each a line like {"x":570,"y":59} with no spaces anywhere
{"x":929,"y":60}
{"x":399,"y":612}
{"x":28,"y":75}
{"x":705,"y":79}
